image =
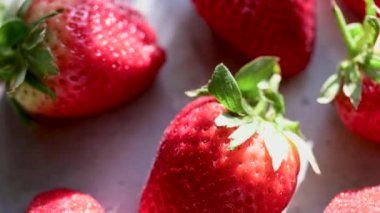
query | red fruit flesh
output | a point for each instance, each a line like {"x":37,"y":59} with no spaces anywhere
{"x":364,"y":121}
{"x":358,"y":6}
{"x":280,"y":28}
{"x":106,"y":54}
{"x":195,"y":172}
{"x":64,"y":200}
{"x":365,"y":200}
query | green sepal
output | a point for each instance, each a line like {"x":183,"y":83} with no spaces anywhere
{"x":7,"y":72}
{"x":230,"y":120}
{"x":24,"y":8}
{"x":35,"y":38}
{"x":2,"y":12}
{"x":18,"y":79}
{"x":37,"y":84}
{"x":41,"y":62}
{"x":225,"y":89}
{"x":46,"y":17}
{"x":12,"y":32}
{"x":352,"y":86}
{"x":330,"y":89}
{"x":250,"y":75}
{"x":203,"y":91}
{"x":289,"y":125}
{"x":243,"y":133}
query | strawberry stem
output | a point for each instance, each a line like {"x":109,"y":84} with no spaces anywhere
{"x":344,"y":30}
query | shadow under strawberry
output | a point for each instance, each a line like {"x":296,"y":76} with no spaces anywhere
{"x":100,"y":155}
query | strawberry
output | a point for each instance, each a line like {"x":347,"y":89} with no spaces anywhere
{"x":355,"y":88}
{"x":76,"y":58}
{"x":231,"y":151}
{"x":358,"y":6}
{"x":364,"y":200}
{"x":64,"y":200}
{"x":265,"y":27}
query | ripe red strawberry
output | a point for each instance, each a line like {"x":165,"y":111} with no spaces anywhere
{"x":265,"y":27}
{"x":234,"y":152}
{"x":358,"y":6}
{"x":364,"y":200}
{"x":105,"y":53}
{"x":355,"y":88}
{"x":64,"y":200}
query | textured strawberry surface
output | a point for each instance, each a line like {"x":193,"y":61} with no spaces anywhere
{"x":106,"y":54}
{"x":195,"y":172}
{"x":358,"y":6}
{"x":265,"y":27}
{"x":64,"y":201}
{"x":365,"y":200}
{"x":365,"y":121}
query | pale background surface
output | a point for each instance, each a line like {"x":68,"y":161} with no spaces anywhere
{"x":109,"y":156}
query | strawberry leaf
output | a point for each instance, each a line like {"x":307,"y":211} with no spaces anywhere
{"x":2,"y":12}
{"x":275,"y":142}
{"x":226,"y":90}
{"x":18,"y":78}
{"x":7,"y":71}
{"x":24,"y":8}
{"x":304,"y":150}
{"x":41,"y":63}
{"x":37,"y":84}
{"x":229,"y":121}
{"x":276,"y":100}
{"x":12,"y":32}
{"x":46,"y":17}
{"x":330,"y":89}
{"x":243,"y":133}
{"x":352,"y":86}
{"x":203,"y":91}
{"x":288,"y":125}
{"x":372,"y":28}
{"x":35,"y":38}
{"x":356,"y":30}
{"x":259,"y":70}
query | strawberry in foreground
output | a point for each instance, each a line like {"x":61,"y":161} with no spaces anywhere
{"x":281,"y":28}
{"x":355,"y":88}
{"x":64,"y":200}
{"x":231,"y":151}
{"x":76,"y":58}
{"x":358,"y":6}
{"x":364,"y":200}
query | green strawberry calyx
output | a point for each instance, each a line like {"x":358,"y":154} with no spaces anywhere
{"x":363,"y":47}
{"x":24,"y":55}
{"x":255,"y":106}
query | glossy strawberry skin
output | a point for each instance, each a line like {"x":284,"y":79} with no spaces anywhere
{"x":265,"y":27}
{"x":194,"y":171}
{"x":358,"y":6}
{"x":64,"y":200}
{"x":364,"y":200}
{"x":364,"y":121}
{"x":106,"y":54}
